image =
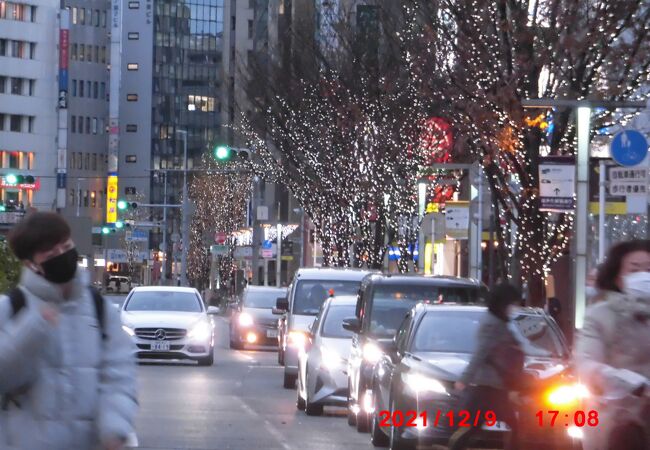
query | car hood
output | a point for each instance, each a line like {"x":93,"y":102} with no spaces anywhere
{"x":450,"y":366}
{"x":341,"y":346}
{"x":301,"y":323}
{"x":161,"y":319}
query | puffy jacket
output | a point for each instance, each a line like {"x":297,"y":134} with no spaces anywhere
{"x":73,"y":389}
{"x":493,"y":332}
{"x":612,"y":355}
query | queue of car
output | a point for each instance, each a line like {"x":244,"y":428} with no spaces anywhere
{"x":380,"y":344}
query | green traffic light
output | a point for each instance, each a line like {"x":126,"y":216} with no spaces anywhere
{"x":11,"y":179}
{"x":2,"y":208}
{"x":122,"y":205}
{"x":222,"y":152}
{"x":106,"y":230}
{"x":119,"y":224}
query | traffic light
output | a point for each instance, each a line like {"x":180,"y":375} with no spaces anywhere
{"x":12,"y":179}
{"x":123,"y":205}
{"x":2,"y":208}
{"x":106,"y":230}
{"x":119,"y":225}
{"x":223,"y":153}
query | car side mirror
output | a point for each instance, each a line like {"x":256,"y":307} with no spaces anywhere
{"x":214,"y":310}
{"x":352,"y":324}
{"x":282,"y":303}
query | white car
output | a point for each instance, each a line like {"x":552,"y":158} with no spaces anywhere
{"x":322,"y":368}
{"x":169,"y":323}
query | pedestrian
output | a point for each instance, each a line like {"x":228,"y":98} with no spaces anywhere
{"x":496,"y":368}
{"x":612,"y":351}
{"x":67,"y":369}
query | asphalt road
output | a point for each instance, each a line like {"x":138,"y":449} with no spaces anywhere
{"x":238,"y":403}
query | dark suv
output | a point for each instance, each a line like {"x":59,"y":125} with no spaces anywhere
{"x":383,"y":302}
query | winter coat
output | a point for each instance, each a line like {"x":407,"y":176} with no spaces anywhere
{"x":612,"y":355}
{"x":73,"y":389}
{"x":492,"y":334}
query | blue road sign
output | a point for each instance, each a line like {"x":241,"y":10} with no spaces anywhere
{"x":267,"y":244}
{"x":629,"y":148}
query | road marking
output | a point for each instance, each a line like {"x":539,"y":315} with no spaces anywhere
{"x":265,"y":367}
{"x":269,"y":427}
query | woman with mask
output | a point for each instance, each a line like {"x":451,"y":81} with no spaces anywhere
{"x":612,"y":351}
{"x":496,"y":368}
{"x":67,"y":370}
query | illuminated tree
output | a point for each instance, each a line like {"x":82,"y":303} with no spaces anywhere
{"x":480,"y":58}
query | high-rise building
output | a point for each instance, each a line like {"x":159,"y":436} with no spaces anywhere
{"x":165,"y":85}
{"x":28,"y":101}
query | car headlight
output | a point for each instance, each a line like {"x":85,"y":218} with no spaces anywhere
{"x":567,"y":394}
{"x":372,"y":353}
{"x":245,"y":319}
{"x":297,"y":339}
{"x":201,"y":332}
{"x":128,"y":330}
{"x":331,"y":358}
{"x":420,"y":383}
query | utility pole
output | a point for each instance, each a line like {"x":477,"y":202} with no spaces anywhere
{"x":256,"y":232}
{"x":184,"y":213}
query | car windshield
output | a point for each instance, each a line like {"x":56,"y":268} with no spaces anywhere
{"x":333,"y":325}
{"x":164,"y":301}
{"x":262,"y":298}
{"x":457,"y":332}
{"x":310,"y":294}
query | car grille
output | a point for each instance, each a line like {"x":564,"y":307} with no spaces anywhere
{"x":170,"y":333}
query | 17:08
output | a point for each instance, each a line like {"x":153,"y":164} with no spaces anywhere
{"x":580,"y":418}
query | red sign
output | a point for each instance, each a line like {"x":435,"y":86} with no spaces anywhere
{"x":63,"y":45}
{"x":36,"y":186}
{"x":220,"y":238}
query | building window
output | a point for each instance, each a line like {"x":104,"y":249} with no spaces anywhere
{"x":32,"y":87}
{"x":131,"y":158}
{"x":79,"y":160}
{"x":73,"y":124}
{"x":89,"y":53}
{"x":80,"y":124}
{"x":132,"y":66}
{"x":200,"y":103}
{"x":33,"y":14}
{"x":93,"y":199}
{"x":81,"y":88}
{"x":102,"y":90}
{"x":3,"y":83}
{"x":82,"y":52}
{"x":131,"y":128}
{"x":94,"y":125}
{"x":233,"y":22}
{"x":103,"y":19}
{"x":102,"y":54}
{"x":3,"y":47}
{"x":30,"y":124}
{"x":73,"y":52}
{"x":94,"y":161}
{"x":32,"y":50}
{"x":74,"y":88}
{"x":71,"y":196}
{"x":250,"y":29}
{"x":17,"y":49}
{"x":131,"y":97}
{"x":85,"y":199}
{"x":89,"y":89}
{"x":14,"y":160}
{"x":15,"y":123}
{"x":134,"y":36}
{"x":134,"y":5}
{"x":96,"y":17}
{"x":95,"y":89}
{"x":96,"y":53}
{"x":87,"y":162}
{"x":2,"y":121}
{"x":82,"y":16}
{"x":17,"y":86}
{"x":87,"y":125}
{"x":74,"y":15}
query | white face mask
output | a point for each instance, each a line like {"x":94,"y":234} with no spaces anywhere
{"x":637,"y":284}
{"x":591,"y":292}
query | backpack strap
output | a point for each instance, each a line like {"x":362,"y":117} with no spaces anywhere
{"x":17,"y":300}
{"x":100,"y":312}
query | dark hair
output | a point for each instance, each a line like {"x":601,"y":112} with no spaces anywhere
{"x":38,"y":232}
{"x":500,"y":297}
{"x":608,"y":271}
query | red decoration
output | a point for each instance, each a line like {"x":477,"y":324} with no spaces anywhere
{"x":437,"y":140}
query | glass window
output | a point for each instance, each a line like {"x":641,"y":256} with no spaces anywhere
{"x":17,"y":86}
{"x":87,"y":125}
{"x":102,"y":90}
{"x":95,"y":89}
{"x":448,"y":331}
{"x":85,"y":199}
{"x":89,"y":89}
{"x":80,"y":124}
{"x":132,"y":66}
{"x":163,"y":301}
{"x":73,"y":52}
{"x":32,"y":50}
{"x":3,"y":83}
{"x":131,"y":128}
{"x":310,"y":294}
{"x":79,"y":160}
{"x":2,"y":121}
{"x":94,"y":167}
{"x":136,"y":5}
{"x":96,"y":17}
{"x":96,"y":53}
{"x":103,"y":19}
{"x":93,"y":199}
{"x":15,"y":123}
{"x":134,"y":36}
{"x":262,"y":298}
{"x":131,"y":97}
{"x":33,"y":14}
{"x":94,"y":125}
{"x":17,"y":49}
{"x":89,"y":53}
{"x":82,"y":52}
{"x":387,"y":315}
{"x":73,"y":125}
{"x":250,"y":29}
{"x":71,"y":196}
{"x":131,"y":158}
{"x":333,"y":325}
{"x":74,"y":15}
{"x":82,"y":16}
{"x":103,"y":54}
{"x":3,"y":47}
{"x":81,"y":88}
{"x":32,"y":87}
{"x":536,"y":336}
{"x":14,"y":160}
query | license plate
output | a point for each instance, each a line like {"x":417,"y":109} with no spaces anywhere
{"x":160,"y":346}
{"x":499,"y":426}
{"x":271,"y":333}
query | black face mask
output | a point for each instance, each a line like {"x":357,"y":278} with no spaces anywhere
{"x":61,"y":268}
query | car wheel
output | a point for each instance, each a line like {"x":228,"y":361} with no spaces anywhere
{"x":208,"y":360}
{"x":289,"y":380}
{"x":396,"y":442}
{"x":313,"y":409}
{"x":300,"y":402}
{"x":377,"y":436}
{"x":362,"y":422}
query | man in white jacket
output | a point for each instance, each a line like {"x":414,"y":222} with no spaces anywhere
{"x":67,"y":370}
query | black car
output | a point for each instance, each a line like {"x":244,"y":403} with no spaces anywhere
{"x":253,"y":321}
{"x":383,"y":302}
{"x":415,"y":377}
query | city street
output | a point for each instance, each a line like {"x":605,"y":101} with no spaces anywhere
{"x":238,"y":403}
